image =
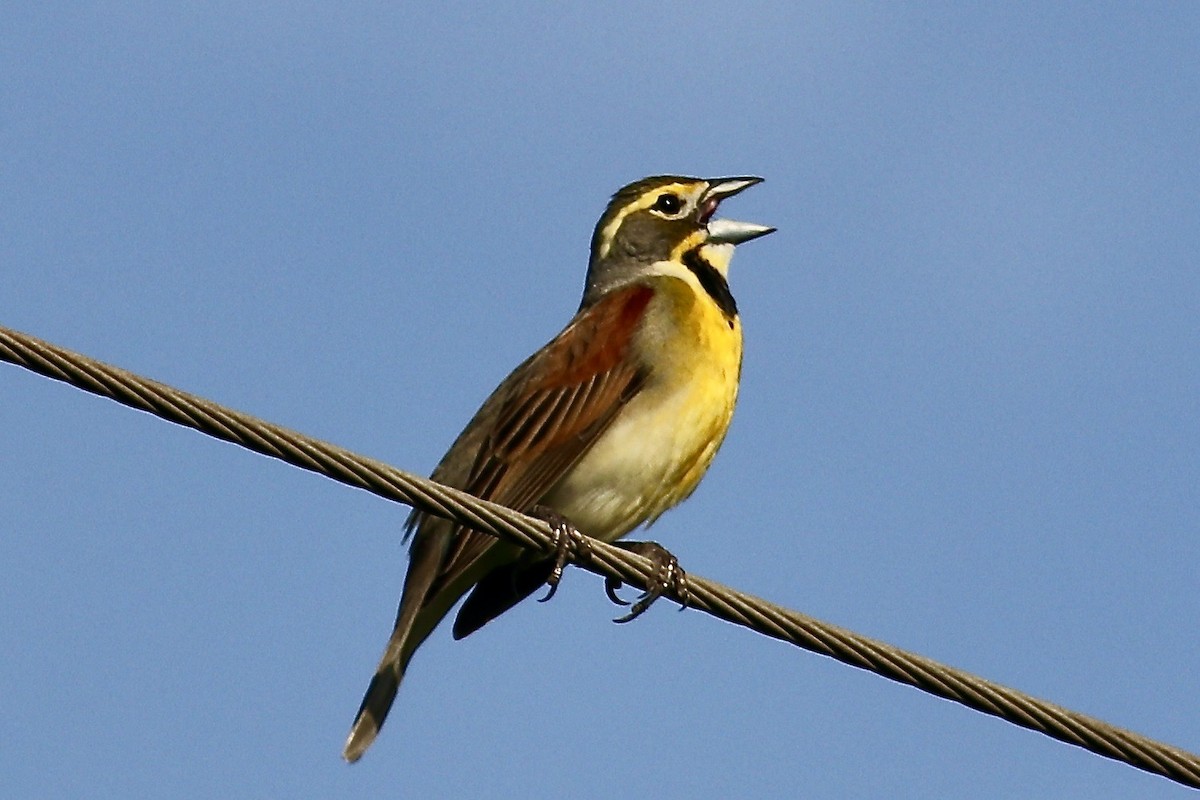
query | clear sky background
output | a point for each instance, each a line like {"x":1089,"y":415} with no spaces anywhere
{"x":969,"y":419}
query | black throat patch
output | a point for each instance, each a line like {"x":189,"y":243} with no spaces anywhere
{"x":713,"y":282}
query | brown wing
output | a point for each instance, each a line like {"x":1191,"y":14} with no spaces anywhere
{"x":538,"y":422}
{"x":557,"y":404}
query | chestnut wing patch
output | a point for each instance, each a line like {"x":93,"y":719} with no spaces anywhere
{"x":569,"y":395}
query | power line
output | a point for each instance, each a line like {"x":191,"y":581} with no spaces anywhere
{"x":603,"y":559}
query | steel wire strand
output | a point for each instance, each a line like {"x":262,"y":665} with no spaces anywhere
{"x":600,"y":558}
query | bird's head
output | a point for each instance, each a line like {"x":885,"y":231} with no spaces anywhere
{"x":662,"y":220}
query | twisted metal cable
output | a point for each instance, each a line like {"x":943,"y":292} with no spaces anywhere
{"x":602,"y":559}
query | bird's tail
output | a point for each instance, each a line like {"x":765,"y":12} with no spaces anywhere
{"x":415,"y":620}
{"x":422,"y":607}
{"x":376,"y":703}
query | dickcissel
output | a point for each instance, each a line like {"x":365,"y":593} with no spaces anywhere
{"x":607,"y":426}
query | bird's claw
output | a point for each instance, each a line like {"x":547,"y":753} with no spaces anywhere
{"x":567,"y":540}
{"x":668,"y":575}
{"x":611,"y":585}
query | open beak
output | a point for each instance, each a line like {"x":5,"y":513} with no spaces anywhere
{"x":728,"y":231}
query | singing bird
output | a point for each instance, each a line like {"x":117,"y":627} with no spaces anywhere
{"x":610,"y":424}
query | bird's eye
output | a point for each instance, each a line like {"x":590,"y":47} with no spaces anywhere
{"x":668,"y":204}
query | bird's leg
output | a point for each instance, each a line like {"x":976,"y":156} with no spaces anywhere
{"x":567,"y":540}
{"x":667,"y":575}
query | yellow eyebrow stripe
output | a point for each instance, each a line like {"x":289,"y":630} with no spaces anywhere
{"x":644,"y":201}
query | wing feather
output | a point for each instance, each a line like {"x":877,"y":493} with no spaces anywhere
{"x":544,"y":424}
{"x":539,"y":421}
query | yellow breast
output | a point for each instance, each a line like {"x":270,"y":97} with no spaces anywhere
{"x":662,"y":442}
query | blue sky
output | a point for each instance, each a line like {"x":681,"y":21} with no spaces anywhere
{"x":968,"y":421}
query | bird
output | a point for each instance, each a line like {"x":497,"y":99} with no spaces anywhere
{"x":607,"y":426}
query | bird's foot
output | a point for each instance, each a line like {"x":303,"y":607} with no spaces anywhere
{"x":668,"y":575}
{"x":567,"y":540}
